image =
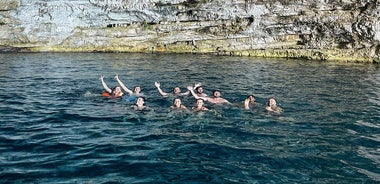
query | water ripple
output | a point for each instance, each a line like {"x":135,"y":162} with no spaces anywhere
{"x":55,"y":127}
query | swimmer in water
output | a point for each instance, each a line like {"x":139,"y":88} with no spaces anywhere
{"x":199,"y":90}
{"x":199,"y":106}
{"x":113,"y":93}
{"x":215,"y":99}
{"x":176,"y":91}
{"x":139,"y":105}
{"x":271,"y":106}
{"x":136,"y":90}
{"x":250,"y":102}
{"x":177,"y":105}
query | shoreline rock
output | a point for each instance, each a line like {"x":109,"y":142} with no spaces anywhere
{"x":346,"y":31}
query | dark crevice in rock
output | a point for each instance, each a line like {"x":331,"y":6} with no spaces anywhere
{"x":283,"y":28}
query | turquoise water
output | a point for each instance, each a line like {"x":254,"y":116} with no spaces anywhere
{"x":56,"y":128}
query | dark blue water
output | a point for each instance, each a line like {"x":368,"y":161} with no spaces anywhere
{"x":56,"y":128}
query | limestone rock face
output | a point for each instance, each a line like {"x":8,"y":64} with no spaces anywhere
{"x":347,"y":30}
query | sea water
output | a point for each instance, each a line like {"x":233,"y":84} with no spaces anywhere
{"x":55,"y":127}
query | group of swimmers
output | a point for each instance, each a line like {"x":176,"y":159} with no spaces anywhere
{"x":196,"y":91}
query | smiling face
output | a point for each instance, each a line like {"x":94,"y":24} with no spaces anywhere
{"x":177,"y":102}
{"x":200,"y":103}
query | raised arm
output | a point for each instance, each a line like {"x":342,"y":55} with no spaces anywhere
{"x":197,"y":85}
{"x":185,"y":93}
{"x":122,"y":85}
{"x":101,"y":78}
{"x":246,"y":103}
{"x":159,"y":89}
{"x":191,"y":89}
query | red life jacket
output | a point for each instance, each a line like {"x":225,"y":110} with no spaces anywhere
{"x":106,"y":94}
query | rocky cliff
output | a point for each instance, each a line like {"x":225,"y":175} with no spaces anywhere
{"x":346,"y":30}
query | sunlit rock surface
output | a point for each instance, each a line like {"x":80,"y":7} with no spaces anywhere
{"x":345,"y":30}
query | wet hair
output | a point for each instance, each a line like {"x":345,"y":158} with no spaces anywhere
{"x":176,"y":87}
{"x":200,"y":99}
{"x":114,"y":88}
{"x":251,"y":96}
{"x":196,"y":89}
{"x":140,"y":97}
{"x":176,"y":99}
{"x":215,"y":91}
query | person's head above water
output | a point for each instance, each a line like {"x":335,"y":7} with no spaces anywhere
{"x":251,"y":98}
{"x":137,"y":89}
{"x":200,"y":102}
{"x":140,"y":101}
{"x":249,"y":101}
{"x":116,"y":90}
{"x":272,"y":106}
{"x":199,"y":90}
{"x":216,"y":93}
{"x":177,"y":102}
{"x":176,"y":90}
{"x":199,"y":105}
{"x":271,"y":102}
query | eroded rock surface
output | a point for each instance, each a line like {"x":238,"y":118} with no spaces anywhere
{"x":347,"y":30}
